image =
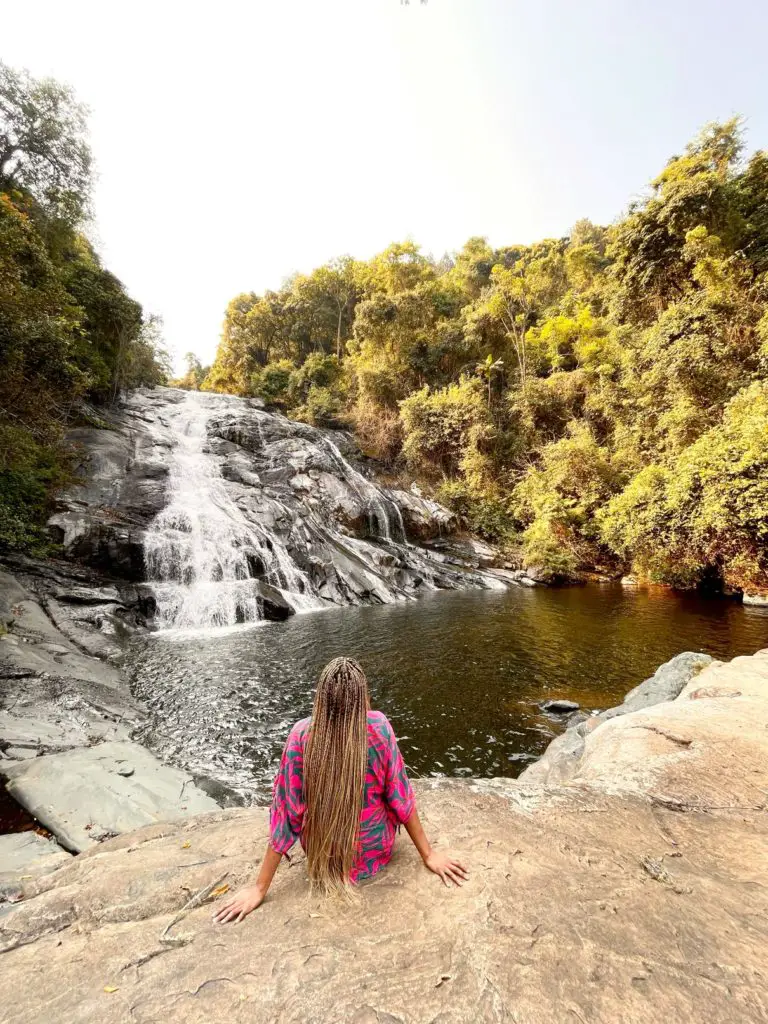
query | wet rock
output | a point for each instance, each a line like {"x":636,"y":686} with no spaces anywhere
{"x":84,"y":794}
{"x":424,"y":519}
{"x":111,"y":546}
{"x":756,"y":600}
{"x":562,"y":757}
{"x":275,"y":607}
{"x":560,"y":707}
{"x":307,"y":489}
{"x":87,"y":595}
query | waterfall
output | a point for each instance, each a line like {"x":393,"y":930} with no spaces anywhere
{"x":371,"y":496}
{"x":201,"y":554}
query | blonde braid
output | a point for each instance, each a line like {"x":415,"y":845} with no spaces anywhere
{"x":335,"y":763}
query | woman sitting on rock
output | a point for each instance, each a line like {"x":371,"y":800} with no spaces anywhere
{"x":342,"y":789}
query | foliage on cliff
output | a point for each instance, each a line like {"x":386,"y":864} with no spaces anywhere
{"x":600,"y":397}
{"x":68,"y":329}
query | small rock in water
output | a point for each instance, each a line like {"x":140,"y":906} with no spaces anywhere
{"x":560,"y":707}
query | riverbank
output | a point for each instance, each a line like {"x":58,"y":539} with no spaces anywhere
{"x":67,"y":718}
{"x":635,"y":890}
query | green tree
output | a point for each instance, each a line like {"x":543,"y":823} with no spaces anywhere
{"x":43,"y":145}
{"x":68,"y":328}
{"x":554,"y":394}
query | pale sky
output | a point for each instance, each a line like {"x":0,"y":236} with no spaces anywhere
{"x":238,"y":142}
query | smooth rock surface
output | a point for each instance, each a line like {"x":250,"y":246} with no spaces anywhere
{"x":11,"y":596}
{"x":61,"y":702}
{"x":26,"y":854}
{"x":636,"y":893}
{"x":54,"y":695}
{"x":85,"y":794}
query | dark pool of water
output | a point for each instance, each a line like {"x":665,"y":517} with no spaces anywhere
{"x":461,"y":675}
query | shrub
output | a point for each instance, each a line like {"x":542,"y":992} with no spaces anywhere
{"x":271,"y":382}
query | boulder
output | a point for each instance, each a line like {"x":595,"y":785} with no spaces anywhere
{"x":560,"y":707}
{"x":87,"y":794}
{"x":539,"y":574}
{"x":667,"y":683}
{"x":274,"y":605}
{"x":561,"y":760}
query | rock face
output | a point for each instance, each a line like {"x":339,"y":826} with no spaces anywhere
{"x":636,"y":892}
{"x":253,"y":496}
{"x":562,"y":757}
{"x":423,"y":518}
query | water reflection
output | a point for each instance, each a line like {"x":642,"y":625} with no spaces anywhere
{"x":461,"y":675}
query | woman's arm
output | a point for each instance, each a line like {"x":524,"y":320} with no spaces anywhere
{"x":448,"y":867}
{"x":401,"y":799}
{"x":440,"y":863}
{"x":285,"y":820}
{"x":248,"y":899}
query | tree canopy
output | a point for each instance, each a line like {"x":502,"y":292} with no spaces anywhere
{"x":592,"y":402}
{"x":68,"y":329}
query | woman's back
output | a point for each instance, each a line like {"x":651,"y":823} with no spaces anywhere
{"x":387,"y":801}
{"x":342,"y":789}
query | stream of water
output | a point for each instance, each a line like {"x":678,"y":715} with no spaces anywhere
{"x":203,"y":556}
{"x":461,"y":675}
{"x":201,"y":553}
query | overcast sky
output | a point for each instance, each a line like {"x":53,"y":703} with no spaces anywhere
{"x":239,"y":142}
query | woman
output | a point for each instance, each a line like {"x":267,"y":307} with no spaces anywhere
{"x":342,"y":789}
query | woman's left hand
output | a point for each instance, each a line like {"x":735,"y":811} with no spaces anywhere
{"x":447,"y":867}
{"x":241,"y":905}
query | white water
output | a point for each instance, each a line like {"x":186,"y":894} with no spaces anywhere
{"x":200,"y":551}
{"x":370,"y":495}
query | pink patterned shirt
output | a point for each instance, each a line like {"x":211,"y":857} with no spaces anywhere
{"x":388,"y":799}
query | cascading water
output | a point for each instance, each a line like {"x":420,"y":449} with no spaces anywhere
{"x":370,"y":494}
{"x":201,"y":554}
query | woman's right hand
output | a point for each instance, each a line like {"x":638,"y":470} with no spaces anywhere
{"x":447,"y":867}
{"x":241,"y":905}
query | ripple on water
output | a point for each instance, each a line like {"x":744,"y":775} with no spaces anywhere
{"x":461,"y":675}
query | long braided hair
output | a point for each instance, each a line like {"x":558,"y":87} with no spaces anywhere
{"x":335,"y":762}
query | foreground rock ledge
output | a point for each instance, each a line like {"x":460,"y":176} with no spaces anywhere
{"x":636,"y":892}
